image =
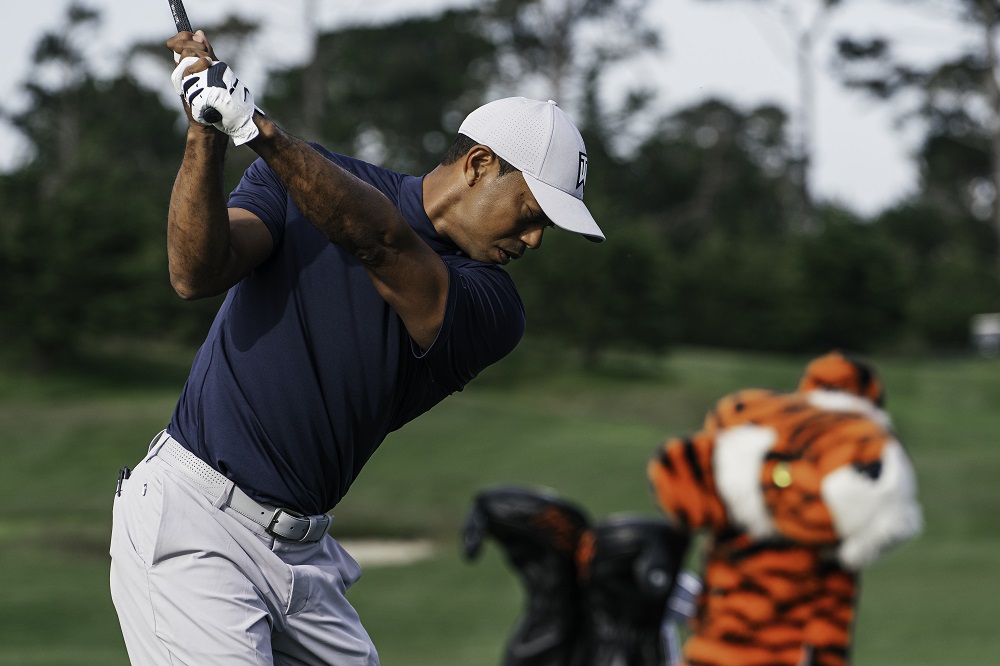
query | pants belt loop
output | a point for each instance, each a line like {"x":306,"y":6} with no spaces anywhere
{"x":157,"y":443}
{"x":223,"y":499}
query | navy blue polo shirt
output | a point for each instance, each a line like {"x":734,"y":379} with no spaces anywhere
{"x":306,"y":369}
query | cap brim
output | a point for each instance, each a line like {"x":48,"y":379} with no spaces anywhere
{"x":564,"y":210}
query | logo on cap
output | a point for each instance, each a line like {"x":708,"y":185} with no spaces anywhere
{"x":581,"y":175}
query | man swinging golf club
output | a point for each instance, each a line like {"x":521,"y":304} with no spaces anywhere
{"x":358,"y":298}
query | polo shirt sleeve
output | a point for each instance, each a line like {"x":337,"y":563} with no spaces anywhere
{"x":483,"y":322}
{"x":261,"y":193}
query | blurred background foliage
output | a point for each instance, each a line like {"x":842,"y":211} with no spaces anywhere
{"x":713,"y":237}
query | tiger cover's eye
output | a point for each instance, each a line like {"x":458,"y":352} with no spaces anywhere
{"x":782,"y":475}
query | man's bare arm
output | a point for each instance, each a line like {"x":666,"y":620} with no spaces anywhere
{"x":211,"y":256}
{"x":209,"y":247}
{"x":407,"y":273}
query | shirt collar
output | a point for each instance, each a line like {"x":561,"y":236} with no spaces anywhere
{"x":411,"y":198}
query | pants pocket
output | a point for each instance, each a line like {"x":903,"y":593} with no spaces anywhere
{"x":300,"y":588}
{"x":137,"y":513}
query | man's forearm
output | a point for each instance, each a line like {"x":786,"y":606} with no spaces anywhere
{"x":344,"y":208}
{"x":198,"y":237}
{"x":405,"y":271}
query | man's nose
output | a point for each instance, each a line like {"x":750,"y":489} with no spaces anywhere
{"x":533,"y":237}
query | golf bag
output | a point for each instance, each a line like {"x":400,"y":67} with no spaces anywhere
{"x":595,"y":596}
{"x":628,"y":567}
{"x":540,"y":534}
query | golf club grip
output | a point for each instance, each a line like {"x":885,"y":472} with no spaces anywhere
{"x":183,"y":24}
{"x":180,"y":16}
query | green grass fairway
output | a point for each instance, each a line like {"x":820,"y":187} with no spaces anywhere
{"x":536,"y":419}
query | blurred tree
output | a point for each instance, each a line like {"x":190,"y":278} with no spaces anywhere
{"x":563,"y":43}
{"x":394,"y":94}
{"x":805,"y":23}
{"x":81,"y":238}
{"x":854,"y":285}
{"x":948,"y":263}
{"x":954,"y":287}
{"x":617,"y":295}
{"x":742,"y":293}
{"x":957,"y":99}
{"x":711,"y":167}
{"x":59,"y":62}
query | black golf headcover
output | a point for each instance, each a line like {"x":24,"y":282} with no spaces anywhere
{"x":628,"y":567}
{"x":539,"y":533}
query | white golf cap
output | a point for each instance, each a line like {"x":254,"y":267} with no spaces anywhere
{"x":539,"y":140}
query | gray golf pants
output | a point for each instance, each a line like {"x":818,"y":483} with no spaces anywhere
{"x":196,"y":583}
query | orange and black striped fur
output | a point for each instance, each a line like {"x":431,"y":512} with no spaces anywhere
{"x":798,"y":492}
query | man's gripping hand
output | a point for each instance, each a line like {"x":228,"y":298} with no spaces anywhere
{"x":218,"y":88}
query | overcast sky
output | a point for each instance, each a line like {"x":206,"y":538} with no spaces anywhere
{"x":737,"y":50}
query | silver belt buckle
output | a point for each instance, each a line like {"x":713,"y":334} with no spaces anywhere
{"x":289,"y":526}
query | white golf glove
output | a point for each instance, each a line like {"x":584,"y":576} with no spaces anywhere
{"x":218,"y":98}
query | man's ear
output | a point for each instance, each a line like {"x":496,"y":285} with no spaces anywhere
{"x":478,"y":161}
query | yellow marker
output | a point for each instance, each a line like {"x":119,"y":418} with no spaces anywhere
{"x":782,"y":475}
